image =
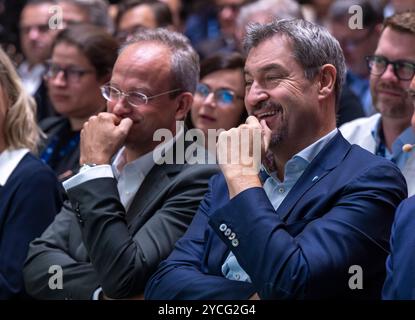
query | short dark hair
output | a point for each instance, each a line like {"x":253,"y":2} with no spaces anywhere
{"x":96,"y":44}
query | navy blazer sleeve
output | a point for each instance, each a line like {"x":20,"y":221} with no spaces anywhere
{"x":400,"y":265}
{"x":181,"y":276}
{"x":351,"y":226}
{"x":32,"y":207}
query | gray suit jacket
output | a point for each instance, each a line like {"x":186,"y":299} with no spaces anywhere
{"x":98,"y":244}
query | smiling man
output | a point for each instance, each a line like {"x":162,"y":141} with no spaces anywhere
{"x":126,"y":211}
{"x":392,"y":68}
{"x":295,"y":230}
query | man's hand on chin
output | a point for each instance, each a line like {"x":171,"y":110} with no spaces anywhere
{"x":239,"y":154}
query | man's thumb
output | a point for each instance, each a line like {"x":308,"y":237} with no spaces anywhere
{"x":125,"y":125}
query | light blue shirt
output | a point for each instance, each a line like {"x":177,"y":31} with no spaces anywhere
{"x":276,"y":192}
{"x":395,"y":155}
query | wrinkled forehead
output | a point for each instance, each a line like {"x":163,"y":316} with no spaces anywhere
{"x":277,"y":49}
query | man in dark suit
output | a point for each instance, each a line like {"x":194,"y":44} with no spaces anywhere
{"x":128,"y":206}
{"x":400,"y":278}
{"x":322,"y":210}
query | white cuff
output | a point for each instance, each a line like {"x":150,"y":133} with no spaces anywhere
{"x":100,"y":171}
{"x":95,"y":296}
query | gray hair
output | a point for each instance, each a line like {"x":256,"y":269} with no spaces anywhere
{"x":97,"y":11}
{"x":313,"y":46}
{"x":184,"y":59}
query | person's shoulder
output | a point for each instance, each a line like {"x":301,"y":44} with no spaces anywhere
{"x":363,"y":156}
{"x":364,"y":122}
{"x":30,"y":167}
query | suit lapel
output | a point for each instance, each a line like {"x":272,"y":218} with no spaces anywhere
{"x":154,"y":184}
{"x":325,"y":161}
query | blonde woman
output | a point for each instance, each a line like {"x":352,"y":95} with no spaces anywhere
{"x":29,"y":190}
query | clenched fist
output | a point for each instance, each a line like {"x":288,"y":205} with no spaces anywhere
{"x":102,"y":136}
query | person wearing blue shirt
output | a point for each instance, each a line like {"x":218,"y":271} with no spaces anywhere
{"x":318,"y":207}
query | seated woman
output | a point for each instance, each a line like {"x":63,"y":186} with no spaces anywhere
{"x":29,"y":190}
{"x":81,"y":62}
{"x":219,"y":98}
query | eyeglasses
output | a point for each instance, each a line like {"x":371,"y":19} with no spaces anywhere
{"x":403,"y":70}
{"x":222,"y":96}
{"x":134,"y":98}
{"x":70,"y":74}
{"x":125,"y":35}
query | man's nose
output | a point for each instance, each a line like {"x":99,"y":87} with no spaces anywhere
{"x":254,"y":95}
{"x":60,"y":79}
{"x":121,"y":106}
{"x":33,"y":33}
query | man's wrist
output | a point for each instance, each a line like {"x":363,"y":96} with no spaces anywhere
{"x":239,"y":184}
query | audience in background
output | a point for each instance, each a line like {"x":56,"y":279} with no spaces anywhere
{"x":136,"y":15}
{"x":392,"y":68}
{"x":36,"y":39}
{"x":81,"y":62}
{"x":219,"y":98}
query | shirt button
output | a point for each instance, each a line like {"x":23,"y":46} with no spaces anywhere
{"x":237,"y":276}
{"x":281,"y":190}
{"x":223,"y":227}
{"x":235,"y":242}
{"x":228,"y":232}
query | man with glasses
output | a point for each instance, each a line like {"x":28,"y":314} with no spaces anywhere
{"x":127,"y":208}
{"x":392,"y":68}
{"x":357,"y":42}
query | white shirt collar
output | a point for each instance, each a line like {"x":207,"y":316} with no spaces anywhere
{"x":9,"y":159}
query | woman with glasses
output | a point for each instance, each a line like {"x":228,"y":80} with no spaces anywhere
{"x":29,"y":190}
{"x":81,"y":61}
{"x":219,"y":98}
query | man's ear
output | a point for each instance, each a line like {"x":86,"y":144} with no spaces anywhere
{"x":183,"y":103}
{"x":327,"y":80}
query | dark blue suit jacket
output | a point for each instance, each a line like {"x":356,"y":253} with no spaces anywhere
{"x":29,"y":202}
{"x":338,"y":214}
{"x":400,"y":265}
